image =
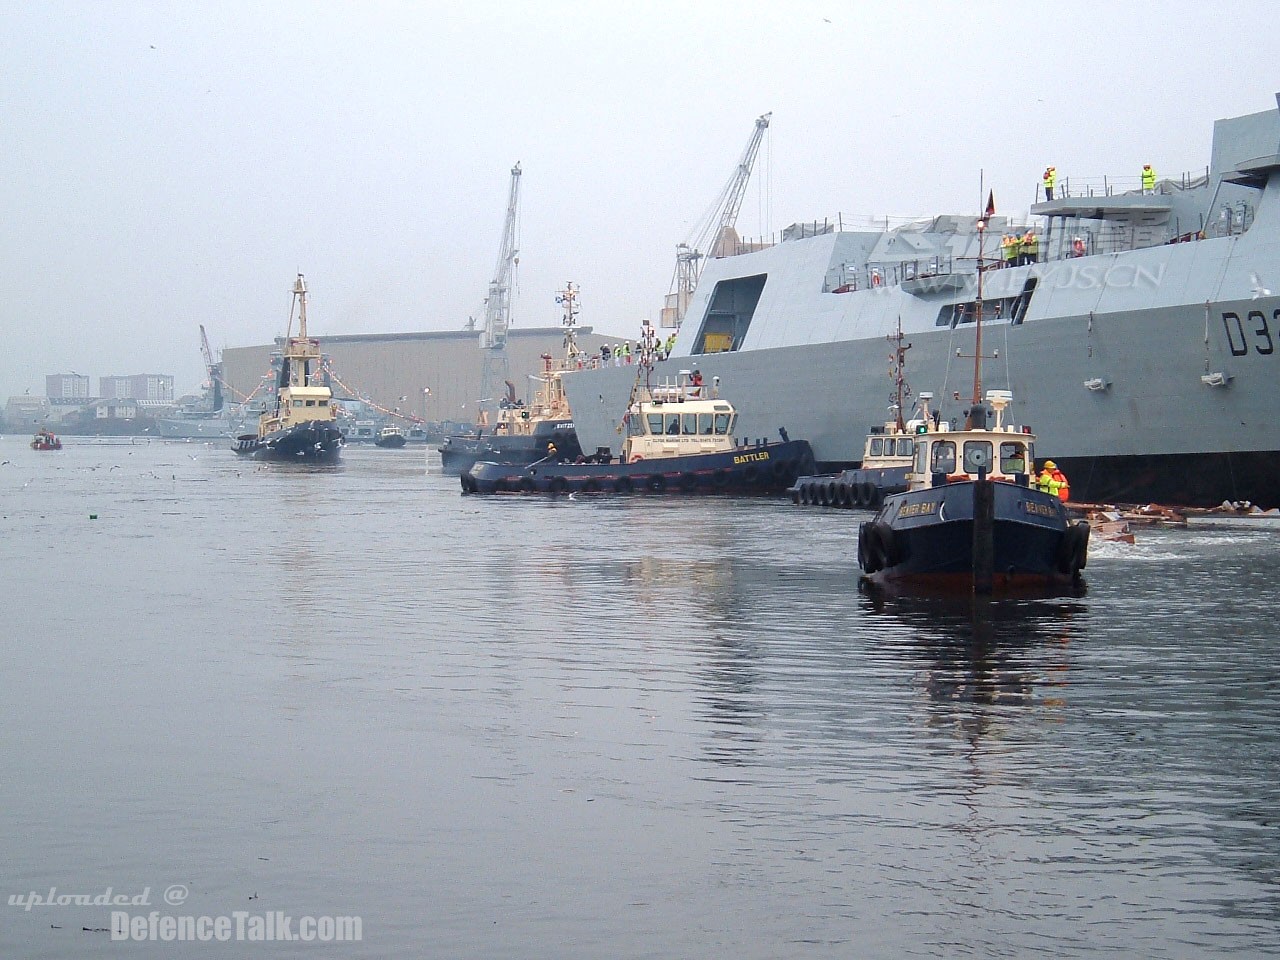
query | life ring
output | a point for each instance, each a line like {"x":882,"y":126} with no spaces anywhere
{"x":656,"y":483}
{"x":637,"y":458}
{"x":622,"y":485}
{"x":688,"y":482}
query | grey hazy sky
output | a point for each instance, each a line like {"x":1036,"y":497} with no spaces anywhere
{"x":171,"y":164}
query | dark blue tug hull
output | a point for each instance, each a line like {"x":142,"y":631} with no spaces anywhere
{"x":759,"y":469}
{"x":458,"y":454}
{"x":942,"y":536}
{"x":309,"y":442}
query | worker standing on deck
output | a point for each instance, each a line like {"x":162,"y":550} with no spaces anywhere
{"x":1148,"y":179}
{"x":1050,"y":178}
{"x":1053,"y":481}
{"x":1010,"y":247}
{"x":1030,"y":247}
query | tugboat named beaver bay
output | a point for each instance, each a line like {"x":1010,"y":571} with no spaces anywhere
{"x":971,"y":518}
{"x":679,"y":439}
{"x":302,"y":425}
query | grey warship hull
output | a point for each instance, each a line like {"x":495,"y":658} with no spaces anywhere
{"x":1149,"y":367}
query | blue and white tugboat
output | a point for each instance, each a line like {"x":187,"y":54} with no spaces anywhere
{"x":972,"y":518}
{"x":302,"y":425}
{"x":680,"y":439}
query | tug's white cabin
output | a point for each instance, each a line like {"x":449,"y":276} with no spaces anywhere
{"x":516,"y":419}
{"x":678,"y":419}
{"x":1000,"y":453}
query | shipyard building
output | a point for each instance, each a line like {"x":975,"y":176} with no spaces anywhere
{"x":436,"y":376}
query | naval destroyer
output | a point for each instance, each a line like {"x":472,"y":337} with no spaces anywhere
{"x":1143,"y":346}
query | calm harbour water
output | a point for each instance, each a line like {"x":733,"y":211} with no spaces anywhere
{"x":611,"y":727}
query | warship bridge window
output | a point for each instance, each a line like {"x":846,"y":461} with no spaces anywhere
{"x":944,"y":457}
{"x":704,"y":424}
{"x":977,"y":455}
{"x":689,"y":424}
{"x":655,"y":423}
{"x":724,"y":423}
{"x":729,"y":313}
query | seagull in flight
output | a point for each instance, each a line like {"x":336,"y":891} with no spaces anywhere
{"x":1258,"y":289}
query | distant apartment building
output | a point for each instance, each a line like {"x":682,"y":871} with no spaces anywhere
{"x":156,"y":387}
{"x":66,"y":386}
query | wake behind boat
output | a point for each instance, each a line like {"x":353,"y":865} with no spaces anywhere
{"x":302,"y":425}
{"x":680,"y":438}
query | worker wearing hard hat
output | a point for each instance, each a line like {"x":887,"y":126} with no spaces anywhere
{"x":1053,"y":481}
{"x":1010,"y":248}
{"x":1049,"y":179}
{"x":1148,"y":178}
{"x":1030,"y":247}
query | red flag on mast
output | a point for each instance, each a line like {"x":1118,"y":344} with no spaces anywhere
{"x":991,"y":204}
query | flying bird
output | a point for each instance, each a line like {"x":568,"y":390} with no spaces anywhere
{"x":1258,"y":289}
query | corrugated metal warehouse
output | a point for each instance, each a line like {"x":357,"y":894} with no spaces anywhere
{"x":388,"y":366}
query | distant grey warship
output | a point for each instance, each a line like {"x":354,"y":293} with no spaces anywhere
{"x":1143,"y":346}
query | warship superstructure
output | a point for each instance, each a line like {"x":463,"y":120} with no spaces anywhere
{"x":1142,"y":342}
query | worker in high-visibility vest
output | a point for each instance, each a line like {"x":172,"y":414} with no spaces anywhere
{"x":1148,"y":179}
{"x":1050,"y":178}
{"x":1010,"y":248}
{"x":1030,"y":247}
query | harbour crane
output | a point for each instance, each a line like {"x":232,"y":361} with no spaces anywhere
{"x":714,"y":234}
{"x":213,"y":370}
{"x":497,"y":306}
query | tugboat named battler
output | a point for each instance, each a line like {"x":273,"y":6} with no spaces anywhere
{"x":971,"y":518}
{"x":301,"y":426}
{"x":680,"y":439}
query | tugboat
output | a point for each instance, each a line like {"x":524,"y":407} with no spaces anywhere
{"x":391,"y":437}
{"x":971,"y":518}
{"x":302,"y":425}
{"x":887,"y":456}
{"x":45,"y":440}
{"x":522,"y":432}
{"x":680,"y":438}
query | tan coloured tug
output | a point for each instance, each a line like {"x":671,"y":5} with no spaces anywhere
{"x":302,"y":425}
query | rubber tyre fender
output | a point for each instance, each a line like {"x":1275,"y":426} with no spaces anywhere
{"x":622,"y":485}
{"x":1064,"y":557}
{"x":845,"y":494}
{"x":687,"y":482}
{"x":884,"y":543}
{"x":557,"y":485}
{"x":720,"y":479}
{"x":751,"y":474}
{"x":656,"y":483}
{"x":527,"y":485}
{"x":871,"y":498}
{"x":590,"y":485}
